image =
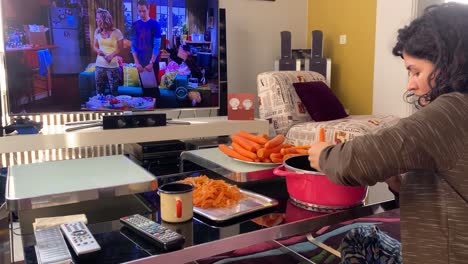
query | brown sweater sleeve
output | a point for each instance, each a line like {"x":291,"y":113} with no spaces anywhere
{"x":430,"y":139}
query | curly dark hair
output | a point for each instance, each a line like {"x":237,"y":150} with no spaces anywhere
{"x":440,"y":35}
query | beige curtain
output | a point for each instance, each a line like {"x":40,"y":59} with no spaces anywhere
{"x":114,"y":7}
{"x":196,"y":15}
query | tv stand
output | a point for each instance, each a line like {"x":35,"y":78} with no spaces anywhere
{"x":55,"y":137}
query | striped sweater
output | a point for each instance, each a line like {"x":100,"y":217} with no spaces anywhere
{"x":431,"y":148}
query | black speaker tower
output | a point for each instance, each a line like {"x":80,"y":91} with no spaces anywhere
{"x":286,"y":62}
{"x":317,"y":62}
{"x":223,"y":81}
{"x":1,"y":117}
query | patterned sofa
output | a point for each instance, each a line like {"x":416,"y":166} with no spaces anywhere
{"x":281,"y":106}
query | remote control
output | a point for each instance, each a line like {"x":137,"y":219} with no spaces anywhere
{"x":83,"y":122}
{"x":159,"y":235}
{"x":50,"y":246}
{"x":79,"y":237}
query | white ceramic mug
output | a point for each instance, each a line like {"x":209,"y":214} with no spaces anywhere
{"x":176,"y":202}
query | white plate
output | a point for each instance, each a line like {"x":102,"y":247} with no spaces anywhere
{"x":266,"y":164}
{"x":123,"y":97}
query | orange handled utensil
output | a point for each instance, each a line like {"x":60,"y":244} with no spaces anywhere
{"x":322,"y":135}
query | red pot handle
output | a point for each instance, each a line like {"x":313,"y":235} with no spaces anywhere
{"x":179,"y":208}
{"x":280,"y":171}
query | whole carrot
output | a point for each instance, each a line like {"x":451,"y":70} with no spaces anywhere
{"x":277,"y":160}
{"x":277,"y":140}
{"x":302,"y":151}
{"x":239,"y":149}
{"x":257,"y":139}
{"x":303,"y":147}
{"x":287,"y":156}
{"x":231,"y":153}
{"x":276,"y":156}
{"x":291,"y":150}
{"x":265,"y":152}
{"x":245,"y":143}
{"x":322,"y":134}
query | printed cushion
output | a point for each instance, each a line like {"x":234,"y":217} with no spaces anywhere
{"x":130,"y":76}
{"x":339,"y":130}
{"x":278,"y":100}
{"x":319,"y":100}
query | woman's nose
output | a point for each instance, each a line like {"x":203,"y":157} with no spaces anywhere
{"x":411,"y":84}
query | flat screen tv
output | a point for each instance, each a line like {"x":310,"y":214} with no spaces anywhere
{"x":110,"y":55}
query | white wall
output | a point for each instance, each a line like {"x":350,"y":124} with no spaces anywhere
{"x":422,"y":4}
{"x":390,"y":75}
{"x":253,"y":37}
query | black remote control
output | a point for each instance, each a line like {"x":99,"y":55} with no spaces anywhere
{"x":157,"y":234}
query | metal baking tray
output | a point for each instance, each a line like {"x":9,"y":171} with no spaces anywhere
{"x":250,"y":203}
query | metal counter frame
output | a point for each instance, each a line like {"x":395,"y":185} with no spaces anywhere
{"x":209,"y":249}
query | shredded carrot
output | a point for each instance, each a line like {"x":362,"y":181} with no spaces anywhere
{"x":209,"y":193}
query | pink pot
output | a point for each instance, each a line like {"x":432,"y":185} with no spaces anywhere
{"x":307,"y":185}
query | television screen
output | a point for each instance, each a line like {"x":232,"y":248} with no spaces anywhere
{"x":92,"y":55}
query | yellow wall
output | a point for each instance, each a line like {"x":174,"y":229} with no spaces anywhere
{"x":352,"y":63}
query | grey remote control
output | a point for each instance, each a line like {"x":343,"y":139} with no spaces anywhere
{"x":157,"y":234}
{"x":51,"y":247}
{"x":80,"y":238}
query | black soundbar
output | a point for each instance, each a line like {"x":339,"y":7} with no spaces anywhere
{"x":133,"y":121}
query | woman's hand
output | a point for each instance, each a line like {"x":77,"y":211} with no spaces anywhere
{"x":109,"y":57}
{"x":139,"y":67}
{"x":314,"y":153}
{"x":394,"y":183}
{"x":149,"y":67}
{"x":194,"y":97}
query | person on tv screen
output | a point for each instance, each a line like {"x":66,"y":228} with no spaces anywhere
{"x":183,"y":54}
{"x":146,"y":42}
{"x":108,"y":42}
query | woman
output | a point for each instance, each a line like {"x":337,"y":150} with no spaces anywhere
{"x":182,"y":54}
{"x":108,"y":42}
{"x":430,"y":147}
